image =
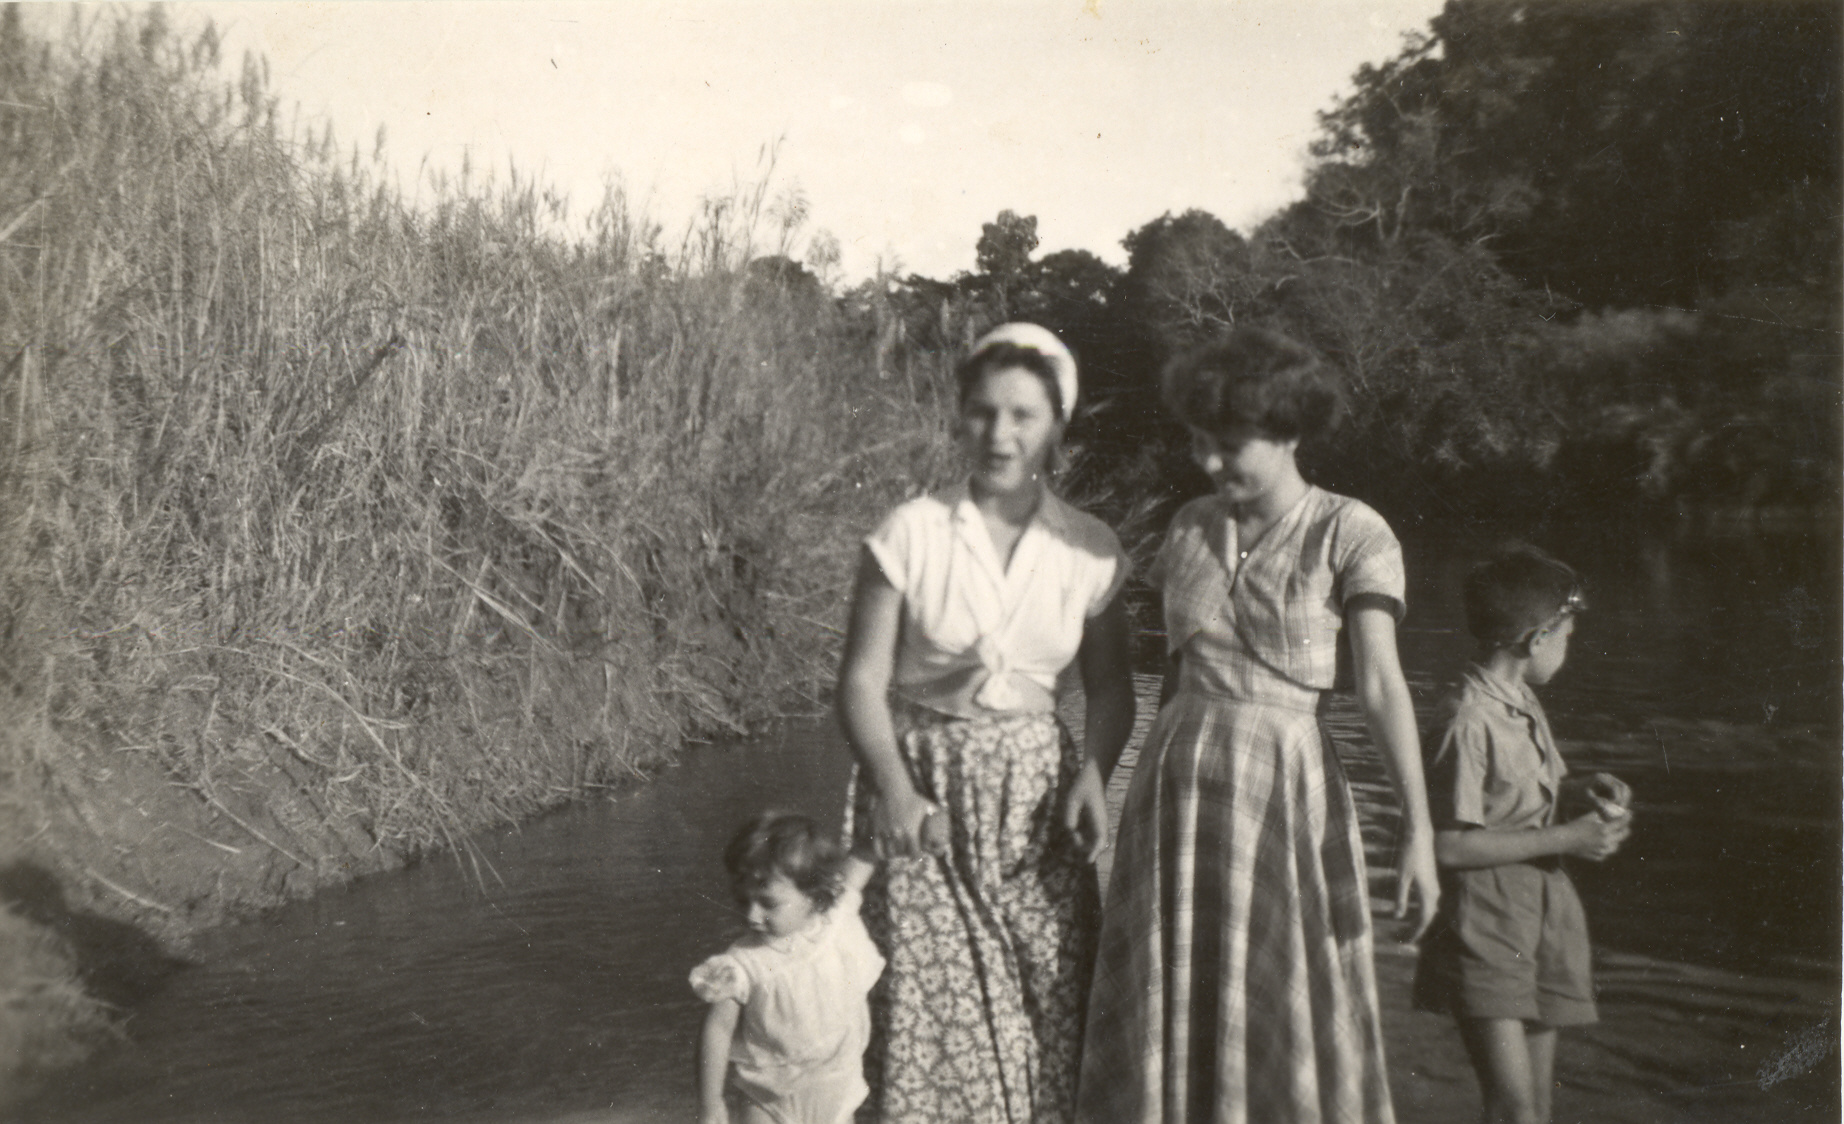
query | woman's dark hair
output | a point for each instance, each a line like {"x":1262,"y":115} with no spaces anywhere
{"x":1257,"y":379}
{"x":780,"y":843}
{"x":1518,"y":591}
{"x":1000,"y":356}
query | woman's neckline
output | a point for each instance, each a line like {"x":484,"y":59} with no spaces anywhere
{"x":1039,"y":495}
{"x":1247,"y":546}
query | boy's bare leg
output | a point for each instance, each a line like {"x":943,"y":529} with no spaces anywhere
{"x":1541,"y":1041}
{"x":1502,"y":1060}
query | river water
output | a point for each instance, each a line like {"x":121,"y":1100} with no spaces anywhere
{"x":542,"y":977}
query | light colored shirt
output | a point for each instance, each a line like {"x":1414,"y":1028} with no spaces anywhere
{"x":1496,"y":765}
{"x":980,"y":636}
{"x":805,"y":1017}
{"x":1280,"y":599}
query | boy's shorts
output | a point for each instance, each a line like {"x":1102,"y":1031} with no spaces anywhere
{"x":1511,"y":943}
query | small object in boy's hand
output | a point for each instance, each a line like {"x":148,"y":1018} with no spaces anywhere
{"x":1610,"y":788}
{"x":1608,"y":809}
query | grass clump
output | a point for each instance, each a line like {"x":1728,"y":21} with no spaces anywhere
{"x":334,"y":526}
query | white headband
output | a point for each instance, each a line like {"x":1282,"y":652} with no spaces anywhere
{"x":1043,"y":341}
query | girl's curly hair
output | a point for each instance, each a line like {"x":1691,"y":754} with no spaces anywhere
{"x":780,"y":843}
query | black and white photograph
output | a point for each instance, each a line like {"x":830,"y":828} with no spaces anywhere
{"x":921,"y":562}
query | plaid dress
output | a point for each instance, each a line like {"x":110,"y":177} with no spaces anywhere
{"x":1234,"y":982}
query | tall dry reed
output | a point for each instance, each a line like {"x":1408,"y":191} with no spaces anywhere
{"x":441,"y":512}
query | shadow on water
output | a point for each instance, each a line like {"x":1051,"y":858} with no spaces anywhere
{"x":119,"y":964}
{"x":1707,"y":674}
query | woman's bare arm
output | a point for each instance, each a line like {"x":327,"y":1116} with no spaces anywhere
{"x":864,"y":709}
{"x":1390,"y":714}
{"x":1107,"y":686}
{"x":1107,"y":683}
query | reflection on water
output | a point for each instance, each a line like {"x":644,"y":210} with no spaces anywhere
{"x":549,"y":982}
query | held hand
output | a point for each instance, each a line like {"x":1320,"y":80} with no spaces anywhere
{"x":1416,"y":878}
{"x":897,"y":825}
{"x":935,"y":837}
{"x":1595,"y":837}
{"x":1085,"y":812}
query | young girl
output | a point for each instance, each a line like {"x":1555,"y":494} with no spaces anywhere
{"x":788,"y":1017}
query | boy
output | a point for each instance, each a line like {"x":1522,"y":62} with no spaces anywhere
{"x":1508,"y":957}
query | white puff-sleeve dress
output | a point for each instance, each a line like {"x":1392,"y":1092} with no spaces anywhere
{"x":798,"y":1054}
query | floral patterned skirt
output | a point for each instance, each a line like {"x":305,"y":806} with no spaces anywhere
{"x":978,"y":1017}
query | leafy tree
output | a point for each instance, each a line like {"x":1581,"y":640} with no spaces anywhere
{"x":1005,"y":245}
{"x":1003,"y":253}
{"x":1598,"y":147}
{"x":1070,"y":285}
{"x":1188,"y":278}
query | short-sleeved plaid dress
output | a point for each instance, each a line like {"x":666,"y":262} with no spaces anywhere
{"x":1234,"y":981}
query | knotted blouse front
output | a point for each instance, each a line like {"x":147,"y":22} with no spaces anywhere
{"x":980,"y":636}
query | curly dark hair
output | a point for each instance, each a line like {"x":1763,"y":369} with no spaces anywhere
{"x":1519,"y":590}
{"x":780,"y":843}
{"x":999,"y":357}
{"x":1256,"y":379}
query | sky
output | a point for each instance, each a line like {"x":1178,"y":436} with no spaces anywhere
{"x":904,"y":125}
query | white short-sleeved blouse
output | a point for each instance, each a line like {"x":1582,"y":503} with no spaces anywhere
{"x":979,"y":636}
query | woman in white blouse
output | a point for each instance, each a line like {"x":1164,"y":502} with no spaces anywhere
{"x":968,"y":605}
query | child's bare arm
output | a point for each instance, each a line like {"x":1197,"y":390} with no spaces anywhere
{"x":1592,"y":837}
{"x":858,"y":870}
{"x":714,"y":1059}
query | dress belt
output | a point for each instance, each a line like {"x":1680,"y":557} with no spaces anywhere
{"x":1307,"y":701}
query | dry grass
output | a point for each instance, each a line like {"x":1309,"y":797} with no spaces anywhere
{"x":450,"y":513}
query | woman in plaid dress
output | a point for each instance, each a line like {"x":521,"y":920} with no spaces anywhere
{"x":1234,"y":982}
{"x":969,"y":603}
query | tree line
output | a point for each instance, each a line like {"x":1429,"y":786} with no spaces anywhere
{"x":1565,"y":254}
